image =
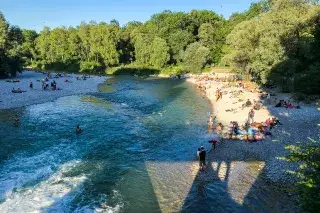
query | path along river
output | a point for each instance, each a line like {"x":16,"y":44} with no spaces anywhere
{"x":136,"y":153}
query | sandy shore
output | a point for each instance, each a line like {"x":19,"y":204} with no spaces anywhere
{"x":37,"y":94}
{"x":298,"y":125}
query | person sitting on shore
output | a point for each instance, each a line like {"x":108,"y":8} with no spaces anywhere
{"x":219,"y":128}
{"x":243,"y":133}
{"x":17,"y":91}
{"x":46,"y":86}
{"x":78,"y":130}
{"x":230,"y":129}
{"x":289,"y":105}
{"x":274,"y":123}
{"x":53,"y":85}
{"x":258,"y":136}
{"x":247,"y":104}
{"x":281,"y":103}
{"x":256,"y":105}
{"x":235,"y":128}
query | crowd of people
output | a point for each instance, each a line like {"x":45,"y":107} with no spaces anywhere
{"x":46,"y":83}
{"x":287,"y":105}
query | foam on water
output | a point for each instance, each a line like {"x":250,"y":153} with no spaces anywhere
{"x":55,"y":193}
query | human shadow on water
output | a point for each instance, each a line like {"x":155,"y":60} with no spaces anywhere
{"x":235,"y":184}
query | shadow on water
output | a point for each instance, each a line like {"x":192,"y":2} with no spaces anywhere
{"x":212,"y":191}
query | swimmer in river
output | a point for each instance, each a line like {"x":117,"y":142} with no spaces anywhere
{"x":16,"y":121}
{"x":78,"y":130}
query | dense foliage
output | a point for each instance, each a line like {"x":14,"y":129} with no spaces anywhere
{"x":279,"y":45}
{"x":189,"y":41}
{"x":274,"y":40}
{"x":308,"y":155}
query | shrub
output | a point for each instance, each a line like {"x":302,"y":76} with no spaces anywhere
{"x":90,"y":66}
{"x":308,"y":155}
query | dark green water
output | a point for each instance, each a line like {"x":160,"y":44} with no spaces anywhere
{"x":129,"y":128}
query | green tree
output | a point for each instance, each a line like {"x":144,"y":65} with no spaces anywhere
{"x":159,"y":53}
{"x":11,"y":39}
{"x":196,"y":57}
{"x":28,"y":45}
{"x":178,"y":41}
{"x":259,"y":45}
{"x":43,"y":46}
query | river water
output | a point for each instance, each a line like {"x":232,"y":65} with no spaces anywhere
{"x":136,"y":152}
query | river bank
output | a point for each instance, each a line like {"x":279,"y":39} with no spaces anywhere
{"x":297,"y":125}
{"x":67,"y":85}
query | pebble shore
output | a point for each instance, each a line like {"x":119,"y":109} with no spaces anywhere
{"x":37,"y":95}
{"x":298,"y":126}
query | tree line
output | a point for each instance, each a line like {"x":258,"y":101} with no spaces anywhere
{"x":168,"y":38}
{"x":273,"y":41}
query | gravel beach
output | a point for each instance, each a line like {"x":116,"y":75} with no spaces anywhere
{"x":298,"y":125}
{"x":37,"y":94}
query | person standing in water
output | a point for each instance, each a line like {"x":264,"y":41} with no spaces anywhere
{"x":198,"y":153}
{"x":78,"y":130}
{"x":202,"y":159}
{"x":214,"y":143}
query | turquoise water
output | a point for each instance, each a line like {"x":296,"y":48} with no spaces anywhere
{"x":136,"y":134}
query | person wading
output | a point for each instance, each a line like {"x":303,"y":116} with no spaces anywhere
{"x":202,"y":159}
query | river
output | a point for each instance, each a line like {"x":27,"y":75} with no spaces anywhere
{"x":136,"y":152}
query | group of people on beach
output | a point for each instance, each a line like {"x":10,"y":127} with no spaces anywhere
{"x":251,"y":131}
{"x":286,"y":104}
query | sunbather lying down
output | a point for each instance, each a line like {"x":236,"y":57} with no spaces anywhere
{"x":18,"y":90}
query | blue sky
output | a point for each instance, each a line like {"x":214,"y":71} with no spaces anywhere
{"x":34,"y":14}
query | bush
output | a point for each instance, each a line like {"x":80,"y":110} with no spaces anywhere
{"x":132,"y":70}
{"x":91,"y":66}
{"x":308,"y":82}
{"x":308,"y":155}
{"x":175,"y":70}
{"x":299,"y":96}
